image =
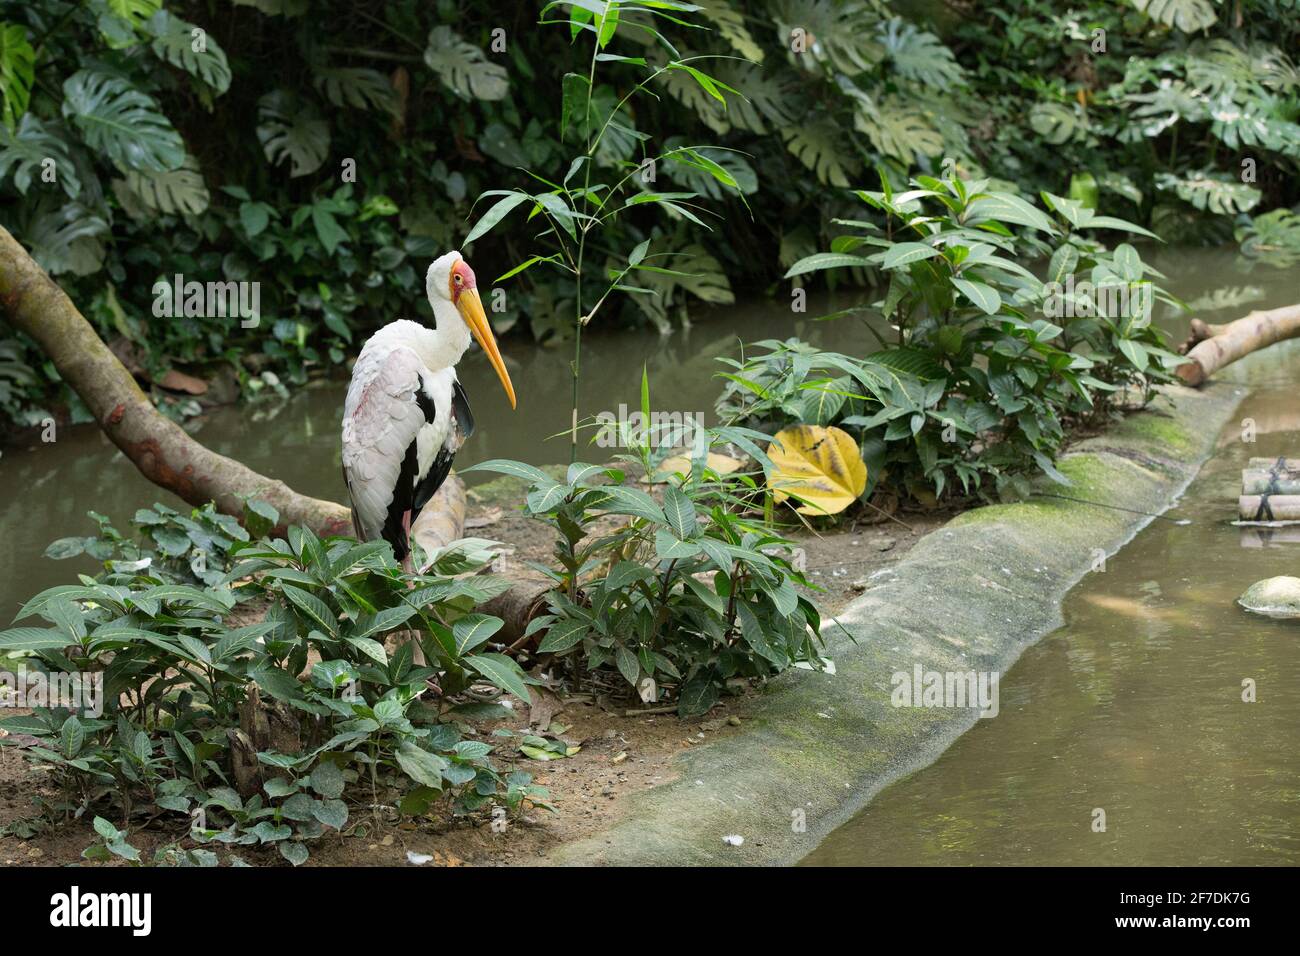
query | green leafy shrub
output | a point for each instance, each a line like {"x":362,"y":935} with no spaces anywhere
{"x":683,"y":598}
{"x":177,"y":670}
{"x":193,"y":548}
{"x":979,"y":385}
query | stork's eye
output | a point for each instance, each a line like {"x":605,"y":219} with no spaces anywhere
{"x":458,"y":278}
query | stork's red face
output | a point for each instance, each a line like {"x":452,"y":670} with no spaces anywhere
{"x":461,"y":279}
{"x":464,"y":295}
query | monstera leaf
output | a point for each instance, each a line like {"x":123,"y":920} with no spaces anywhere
{"x":690,"y":269}
{"x":63,"y":237}
{"x":17,"y":72}
{"x":1216,"y":194}
{"x":920,"y":56}
{"x":26,"y":149}
{"x":818,"y":466}
{"x":1058,"y":123}
{"x":357,"y":87}
{"x":836,"y":33}
{"x":820,"y":145}
{"x":175,"y":40}
{"x":897,"y":129}
{"x":133,"y":12}
{"x":463,"y":67}
{"x":1187,"y":15}
{"x":731,"y":27}
{"x":767,"y":96}
{"x":121,"y":122}
{"x":292,"y":130}
{"x":1163,"y":107}
{"x":176,"y":191}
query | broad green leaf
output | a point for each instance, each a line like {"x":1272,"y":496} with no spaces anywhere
{"x":825,"y":260}
{"x":1005,"y":208}
{"x":501,"y":671}
{"x":290,"y":129}
{"x":463,"y":67}
{"x":192,"y":49}
{"x":315,"y":609}
{"x":121,"y":122}
{"x":985,"y":297}
{"x":494,"y":215}
{"x":473,"y":630}
{"x":177,"y":191}
{"x":905,"y":253}
{"x":17,"y":72}
{"x":563,"y":635}
{"x":680,"y":512}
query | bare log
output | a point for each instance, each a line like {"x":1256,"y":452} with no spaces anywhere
{"x":517,"y":607}
{"x":1226,"y":344}
{"x":163,"y":451}
{"x":1269,"y":507}
{"x":1200,"y":331}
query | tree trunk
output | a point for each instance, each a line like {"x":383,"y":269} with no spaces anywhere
{"x":1213,"y":347}
{"x":163,"y":451}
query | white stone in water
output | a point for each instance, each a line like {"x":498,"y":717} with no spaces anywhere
{"x":1273,"y":597}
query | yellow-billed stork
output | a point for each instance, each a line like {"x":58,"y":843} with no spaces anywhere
{"x":406,"y":415}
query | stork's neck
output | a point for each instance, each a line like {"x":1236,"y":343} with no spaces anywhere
{"x":442,"y":347}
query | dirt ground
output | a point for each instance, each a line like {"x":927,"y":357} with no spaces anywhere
{"x":619,"y":754}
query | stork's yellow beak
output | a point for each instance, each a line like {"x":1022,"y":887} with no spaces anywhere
{"x":470,"y":307}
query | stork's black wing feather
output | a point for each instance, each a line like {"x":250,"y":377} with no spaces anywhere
{"x":463,"y":418}
{"x":412,"y":494}
{"x":432,"y":481}
{"x":403,"y":501}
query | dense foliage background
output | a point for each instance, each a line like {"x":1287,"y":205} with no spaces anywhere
{"x":229,"y":152}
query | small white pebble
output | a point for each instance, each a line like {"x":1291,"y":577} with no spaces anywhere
{"x":733,"y":839}
{"x":419,"y":859}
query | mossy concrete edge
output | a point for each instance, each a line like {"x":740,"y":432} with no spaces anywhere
{"x":971,"y":595}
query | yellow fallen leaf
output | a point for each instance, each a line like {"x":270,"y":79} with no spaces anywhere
{"x":681,"y":464}
{"x":821,"y":466}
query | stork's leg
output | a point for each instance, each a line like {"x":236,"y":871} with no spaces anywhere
{"x":417,"y":652}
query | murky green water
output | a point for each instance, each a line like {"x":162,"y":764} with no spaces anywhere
{"x":46,"y":490}
{"x":1134,"y":706}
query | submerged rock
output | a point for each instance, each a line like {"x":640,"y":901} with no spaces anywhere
{"x":1275,"y":597}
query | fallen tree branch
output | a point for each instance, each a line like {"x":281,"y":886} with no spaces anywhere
{"x":163,"y":451}
{"x":1212,"y":347}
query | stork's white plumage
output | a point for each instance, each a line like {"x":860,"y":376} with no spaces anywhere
{"x":406,"y":415}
